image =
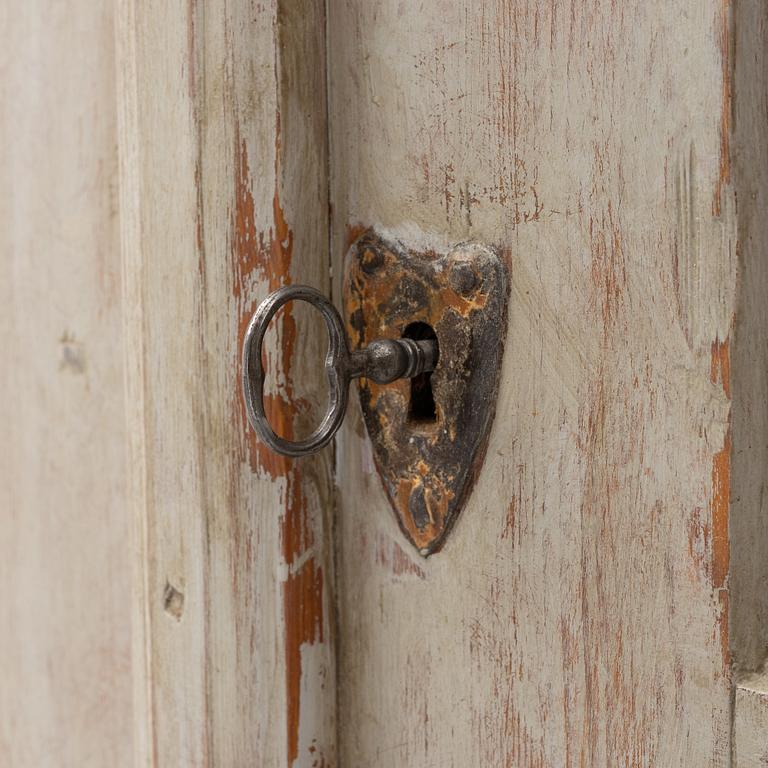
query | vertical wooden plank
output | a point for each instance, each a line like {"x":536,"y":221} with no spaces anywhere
{"x":749,"y":533}
{"x":750,"y":727}
{"x":579,"y":613}
{"x":224,"y":174}
{"x":65,"y":565}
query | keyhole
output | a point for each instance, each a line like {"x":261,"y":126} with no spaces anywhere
{"x":421,"y":411}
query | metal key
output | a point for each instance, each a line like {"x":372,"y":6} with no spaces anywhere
{"x":382,"y":361}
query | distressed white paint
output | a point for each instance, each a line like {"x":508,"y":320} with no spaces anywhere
{"x":750,"y":730}
{"x":749,"y":533}
{"x":224,"y":187}
{"x":65,"y":559}
{"x":578,"y":614}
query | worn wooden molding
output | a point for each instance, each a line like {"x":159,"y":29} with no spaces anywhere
{"x":65,"y":564}
{"x":224,"y":196}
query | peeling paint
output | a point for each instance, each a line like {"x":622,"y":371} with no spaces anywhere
{"x":720,"y":371}
{"x":303,"y":607}
{"x":265,"y":256}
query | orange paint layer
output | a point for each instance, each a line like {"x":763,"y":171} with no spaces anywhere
{"x":269,"y":257}
{"x":720,"y":366}
{"x":265,"y":257}
{"x":303,"y":604}
{"x":721,"y":491}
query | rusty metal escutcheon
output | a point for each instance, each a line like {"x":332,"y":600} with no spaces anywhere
{"x":430,"y":433}
{"x":382,"y":361}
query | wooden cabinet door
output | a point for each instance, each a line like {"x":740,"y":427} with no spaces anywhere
{"x":580,"y":613}
{"x":602,"y":592}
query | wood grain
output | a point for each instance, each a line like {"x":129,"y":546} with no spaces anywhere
{"x":224,"y":185}
{"x":65,"y":556}
{"x":579,"y":613}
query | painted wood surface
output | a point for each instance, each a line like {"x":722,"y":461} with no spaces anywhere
{"x":65,"y":556}
{"x":224,"y":192}
{"x":750,"y":727}
{"x":579,"y":613}
{"x":605,"y":583}
{"x":749,"y":532}
{"x":749,"y":497}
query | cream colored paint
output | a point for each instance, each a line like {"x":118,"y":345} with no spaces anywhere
{"x":65,"y":555}
{"x":586,"y":609}
{"x":750,"y":730}
{"x":749,"y":533}
{"x":579,"y":612}
{"x":223,"y":145}
{"x":577,"y":615}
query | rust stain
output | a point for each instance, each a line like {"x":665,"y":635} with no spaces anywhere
{"x":428,"y":466}
{"x":724,"y":176}
{"x":462,"y":304}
